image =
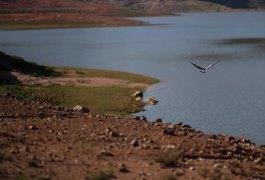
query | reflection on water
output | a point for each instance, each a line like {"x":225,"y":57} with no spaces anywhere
{"x":228,"y":99}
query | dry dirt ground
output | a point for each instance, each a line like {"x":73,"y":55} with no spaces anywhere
{"x":76,"y":81}
{"x":42,"y":141}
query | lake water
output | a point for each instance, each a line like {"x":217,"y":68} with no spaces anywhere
{"x":228,"y":99}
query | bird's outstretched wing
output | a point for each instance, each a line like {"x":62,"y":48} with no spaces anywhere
{"x":210,"y":66}
{"x":199,"y":67}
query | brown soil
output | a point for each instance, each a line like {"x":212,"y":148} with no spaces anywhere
{"x":39,"y":140}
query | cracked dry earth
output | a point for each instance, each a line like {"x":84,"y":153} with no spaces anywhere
{"x":42,"y":141}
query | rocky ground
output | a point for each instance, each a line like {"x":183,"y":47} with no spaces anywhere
{"x":42,"y":141}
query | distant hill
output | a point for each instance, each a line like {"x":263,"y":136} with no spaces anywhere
{"x":41,"y":14}
{"x":170,"y":6}
{"x":240,"y":4}
{"x":119,"y":7}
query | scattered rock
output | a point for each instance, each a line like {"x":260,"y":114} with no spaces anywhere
{"x":137,"y":118}
{"x":104,"y":152}
{"x":158,"y":120}
{"x":41,"y":115}
{"x":33,"y":127}
{"x":123,"y":168}
{"x":229,"y":138}
{"x":192,"y":168}
{"x":135,"y":142}
{"x":111,"y":133}
{"x":245,"y":140}
{"x":81,"y":109}
{"x":7,"y":94}
{"x":168,"y":131}
{"x":151,"y":101}
{"x":143,"y":118}
{"x":259,"y":161}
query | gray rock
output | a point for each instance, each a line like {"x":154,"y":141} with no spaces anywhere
{"x":151,"y":101}
{"x":81,"y":109}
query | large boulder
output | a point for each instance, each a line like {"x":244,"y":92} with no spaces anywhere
{"x":138,"y":95}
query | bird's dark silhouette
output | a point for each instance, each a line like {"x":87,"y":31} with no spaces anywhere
{"x":203,"y":70}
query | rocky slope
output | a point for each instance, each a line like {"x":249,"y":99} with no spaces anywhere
{"x":42,"y":141}
{"x":174,"y":6}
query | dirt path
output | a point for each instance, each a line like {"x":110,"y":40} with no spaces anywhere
{"x":77,"y":81}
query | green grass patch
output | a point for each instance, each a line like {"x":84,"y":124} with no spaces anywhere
{"x":40,"y":93}
{"x":110,"y":100}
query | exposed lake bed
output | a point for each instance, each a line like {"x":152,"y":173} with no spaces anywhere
{"x":229,"y":99}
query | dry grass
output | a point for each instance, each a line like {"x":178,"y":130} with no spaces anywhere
{"x":170,"y":159}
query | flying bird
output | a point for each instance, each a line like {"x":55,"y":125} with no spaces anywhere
{"x":203,"y":70}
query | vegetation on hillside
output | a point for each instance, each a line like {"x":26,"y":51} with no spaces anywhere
{"x":19,"y":64}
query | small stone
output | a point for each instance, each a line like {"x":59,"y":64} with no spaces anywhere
{"x":138,"y":99}
{"x":192,"y":168}
{"x":134,"y":142}
{"x":81,"y":109}
{"x":123,"y":168}
{"x":33,"y":127}
{"x":113,"y":134}
{"x":229,"y":138}
{"x":216,"y":166}
{"x":258,"y":161}
{"x":168,"y":131}
{"x":104,"y":152}
{"x":179,"y":124}
{"x":23,"y":148}
{"x":7,"y":94}
{"x":137,"y":118}
{"x":41,"y":115}
{"x":158,"y":120}
{"x":143,"y":118}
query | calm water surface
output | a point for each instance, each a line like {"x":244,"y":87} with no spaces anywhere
{"x":228,"y":99}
